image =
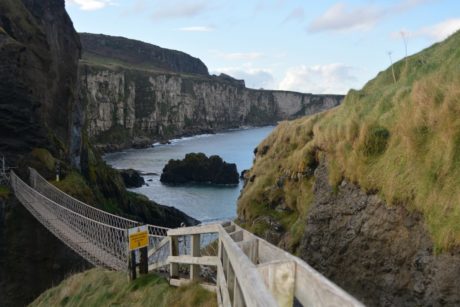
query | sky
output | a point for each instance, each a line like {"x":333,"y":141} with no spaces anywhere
{"x":320,"y":47}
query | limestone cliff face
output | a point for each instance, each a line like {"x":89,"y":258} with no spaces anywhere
{"x":123,"y":104}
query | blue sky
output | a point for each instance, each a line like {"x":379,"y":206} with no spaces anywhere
{"x":307,"y":46}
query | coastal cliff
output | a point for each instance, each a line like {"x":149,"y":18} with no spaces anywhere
{"x":128,"y":102}
{"x":367,"y":193}
{"x":38,"y":105}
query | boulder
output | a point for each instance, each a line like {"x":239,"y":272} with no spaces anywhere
{"x":198,"y":168}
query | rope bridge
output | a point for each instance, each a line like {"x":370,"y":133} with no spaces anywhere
{"x":243,"y":269}
{"x":98,"y":236}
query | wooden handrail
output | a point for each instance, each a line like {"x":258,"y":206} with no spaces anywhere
{"x":253,"y":272}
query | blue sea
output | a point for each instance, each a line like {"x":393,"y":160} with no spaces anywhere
{"x":205,"y":203}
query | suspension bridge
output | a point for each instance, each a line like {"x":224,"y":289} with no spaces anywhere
{"x":241,"y":268}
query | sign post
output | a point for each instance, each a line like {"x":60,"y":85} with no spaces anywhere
{"x":138,"y":239}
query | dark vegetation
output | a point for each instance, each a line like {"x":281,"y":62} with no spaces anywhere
{"x":198,"y":168}
{"x":132,"y":178}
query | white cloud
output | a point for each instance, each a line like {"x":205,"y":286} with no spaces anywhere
{"x":435,"y":33}
{"x":238,"y":56}
{"x":90,"y":5}
{"x":197,"y":29}
{"x":253,"y":77}
{"x":341,"y":16}
{"x":333,"y":78}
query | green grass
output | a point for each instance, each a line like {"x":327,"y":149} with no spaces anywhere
{"x":98,"y":287}
{"x":402,"y":140}
{"x":75,"y":185}
{"x":4,"y":192}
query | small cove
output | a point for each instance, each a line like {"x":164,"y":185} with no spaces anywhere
{"x":203,"y":202}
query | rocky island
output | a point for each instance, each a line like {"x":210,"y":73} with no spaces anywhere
{"x":198,"y":168}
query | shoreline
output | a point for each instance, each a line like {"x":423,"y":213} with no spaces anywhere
{"x":144,"y":142}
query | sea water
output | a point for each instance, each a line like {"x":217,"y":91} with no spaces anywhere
{"x":203,"y":202}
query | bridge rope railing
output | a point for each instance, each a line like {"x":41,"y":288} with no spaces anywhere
{"x":99,"y":243}
{"x":40,"y":184}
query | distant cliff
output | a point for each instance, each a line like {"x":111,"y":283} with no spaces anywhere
{"x":127,"y":101}
{"x":99,"y":46}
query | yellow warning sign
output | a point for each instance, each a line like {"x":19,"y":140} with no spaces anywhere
{"x":138,"y":237}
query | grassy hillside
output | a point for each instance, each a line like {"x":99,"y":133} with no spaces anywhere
{"x":98,"y":287}
{"x":398,"y":137}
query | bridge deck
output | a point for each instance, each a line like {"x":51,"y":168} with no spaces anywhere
{"x":65,"y":232}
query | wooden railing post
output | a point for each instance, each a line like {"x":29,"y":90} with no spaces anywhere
{"x":230,"y":281}
{"x":238,"y":300}
{"x":144,"y":262}
{"x":174,"y":251}
{"x":195,"y":252}
{"x":132,"y":265}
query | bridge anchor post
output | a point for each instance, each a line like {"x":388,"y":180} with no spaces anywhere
{"x":144,"y":262}
{"x":132,"y":266}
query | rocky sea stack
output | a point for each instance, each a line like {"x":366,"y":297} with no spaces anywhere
{"x":198,"y":168}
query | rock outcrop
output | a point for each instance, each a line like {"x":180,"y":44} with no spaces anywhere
{"x":198,"y":168}
{"x":126,"y":100}
{"x":381,"y":254}
{"x":37,"y":92}
{"x":132,"y":178}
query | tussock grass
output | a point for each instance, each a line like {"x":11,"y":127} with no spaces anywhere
{"x":402,"y":140}
{"x":98,"y":287}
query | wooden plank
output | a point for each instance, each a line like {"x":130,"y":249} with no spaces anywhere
{"x":230,"y":228}
{"x":222,"y":285}
{"x":159,"y":246}
{"x":231,"y":280}
{"x":237,"y":236}
{"x":185,"y":231}
{"x":186,"y":259}
{"x":250,"y":248}
{"x":252,"y":286}
{"x":219,"y":298}
{"x":195,"y":252}
{"x":173,"y":251}
{"x":238,"y":300}
{"x":279,"y":277}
